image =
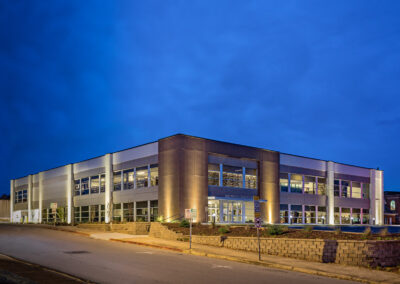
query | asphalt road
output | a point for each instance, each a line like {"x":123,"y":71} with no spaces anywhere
{"x":112,"y":262}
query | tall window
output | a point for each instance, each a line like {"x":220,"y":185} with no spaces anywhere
{"x":296,"y":211}
{"x":321,"y":215}
{"x":250,"y":178}
{"x":128,"y":211}
{"x":84,"y":214}
{"x":309,"y":214}
{"x":213,"y":174}
{"x":153,"y":210}
{"x":85,"y":186}
{"x":346,"y":216}
{"x":141,"y":211}
{"x":154,"y":174}
{"x":117,"y":181}
{"x":296,"y":183}
{"x":232,"y":176}
{"x":284,"y":213}
{"x":392,"y":205}
{"x":142,"y":175}
{"x":321,"y":186}
{"x":102,"y":183}
{"x":284,"y":182}
{"x":117,"y":212}
{"x":356,"y":215}
{"x":94,"y":184}
{"x":345,"y":188}
{"x":365,"y":190}
{"x":337,"y":215}
{"x":355,"y":189}
{"x":128,"y":179}
{"x":336,"y":188}
{"x":77,"y":189}
{"x":94,"y":213}
{"x":310,"y":185}
{"x":365,"y":216}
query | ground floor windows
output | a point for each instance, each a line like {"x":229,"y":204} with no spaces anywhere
{"x":230,"y":211}
{"x":309,"y":214}
{"x":89,"y":214}
{"x":140,"y":211}
{"x":299,"y":214}
{"x":351,"y":216}
{"x":321,"y":213}
{"x":51,"y":216}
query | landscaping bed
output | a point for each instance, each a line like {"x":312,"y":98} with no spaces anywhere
{"x":277,"y":231}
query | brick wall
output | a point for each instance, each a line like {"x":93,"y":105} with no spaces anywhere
{"x":157,"y":230}
{"x":134,"y":228}
{"x":361,"y":253}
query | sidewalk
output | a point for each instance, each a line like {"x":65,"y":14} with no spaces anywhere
{"x":353,"y":273}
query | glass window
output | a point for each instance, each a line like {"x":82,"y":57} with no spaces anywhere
{"x":103,"y":183}
{"x":77,"y":190}
{"x":346,"y":216}
{"x":296,"y":183}
{"x":94,"y":184}
{"x":309,"y":214}
{"x":345,"y":188}
{"x":284,"y":213}
{"x":250,"y":178}
{"x":153,"y":210}
{"x":392,"y":205}
{"x":117,"y":212}
{"x":77,"y":214}
{"x":355,"y":189}
{"x":128,"y":212}
{"x":44,"y":216}
{"x":117,"y":181}
{"x":232,"y":176}
{"x":141,"y":211}
{"x":321,"y":186}
{"x":356,"y":216}
{"x":154,"y":175}
{"x":337,"y":215}
{"x":84,"y":214}
{"x":213,"y":211}
{"x":336,"y":188}
{"x":321,"y":215}
{"x":102,"y":213}
{"x":296,"y":211}
{"x":284,"y":182}
{"x":94,"y":213}
{"x":25,"y":195}
{"x":365,"y":190}
{"x":128,"y":179}
{"x":365,"y":217}
{"x":213,"y":174}
{"x":142,"y":174}
{"x":310,"y":186}
{"x":85,"y":186}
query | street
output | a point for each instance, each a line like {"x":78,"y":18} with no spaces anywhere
{"x":112,"y":262}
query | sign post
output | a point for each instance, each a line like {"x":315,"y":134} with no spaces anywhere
{"x":190,"y":214}
{"x":257,"y":222}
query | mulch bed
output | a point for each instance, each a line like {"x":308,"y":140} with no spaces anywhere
{"x":251,"y":231}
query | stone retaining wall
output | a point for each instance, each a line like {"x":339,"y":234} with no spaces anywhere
{"x":157,"y":230}
{"x":361,"y":253}
{"x":133,"y":228}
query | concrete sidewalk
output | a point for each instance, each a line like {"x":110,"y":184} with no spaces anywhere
{"x":353,"y":273}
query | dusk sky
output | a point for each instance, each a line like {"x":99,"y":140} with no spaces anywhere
{"x":314,"y":78}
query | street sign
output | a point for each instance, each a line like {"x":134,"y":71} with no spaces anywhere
{"x":257,"y":223}
{"x":188,"y":213}
{"x":53,"y":207}
{"x":257,"y":210}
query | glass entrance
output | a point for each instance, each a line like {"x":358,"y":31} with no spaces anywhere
{"x":232,"y":211}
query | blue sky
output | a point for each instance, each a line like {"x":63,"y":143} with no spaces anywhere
{"x":83,"y":78}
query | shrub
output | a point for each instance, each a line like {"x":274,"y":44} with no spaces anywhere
{"x":308,"y":229}
{"x":184,"y":223}
{"x":275,"y":230}
{"x":338,"y":231}
{"x":384,"y":232}
{"x":367,"y":232}
{"x":223,"y":230}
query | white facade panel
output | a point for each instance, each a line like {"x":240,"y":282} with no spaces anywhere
{"x":21,"y":181}
{"x":135,"y":153}
{"x":302,"y":162}
{"x":89,"y":164}
{"x":351,"y":170}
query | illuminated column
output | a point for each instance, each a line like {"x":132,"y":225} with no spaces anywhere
{"x":109,"y":185}
{"x":30,"y":198}
{"x":40,"y":196}
{"x":330,"y":174}
{"x":376,"y":197}
{"x":70,"y":191}
{"x":12,"y":199}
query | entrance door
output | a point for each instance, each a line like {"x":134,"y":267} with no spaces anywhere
{"x":232,"y":211}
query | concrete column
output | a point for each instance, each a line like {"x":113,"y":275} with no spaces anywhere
{"x":148,"y":210}
{"x":40,"y":196}
{"x":376,"y":197}
{"x":330,"y":179}
{"x":12,"y":200}
{"x":109,"y":188}
{"x":30,"y":186}
{"x":70,"y":193}
{"x":134,"y":211}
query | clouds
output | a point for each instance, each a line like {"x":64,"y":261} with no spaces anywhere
{"x":82,"y":79}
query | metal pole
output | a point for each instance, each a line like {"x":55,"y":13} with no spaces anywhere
{"x":190,"y":239}
{"x":259,"y":246}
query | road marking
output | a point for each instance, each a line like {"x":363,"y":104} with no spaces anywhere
{"x":145,"y":252}
{"x":221,"y":266}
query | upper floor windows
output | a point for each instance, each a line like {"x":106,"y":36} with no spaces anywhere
{"x":136,"y":178}
{"x":310,"y":185}
{"x":154,"y":175}
{"x":129,"y":179}
{"x":21,"y":196}
{"x":296,"y":183}
{"x":85,"y":186}
{"x":94,"y":184}
{"x":142,"y":177}
{"x":117,"y":180}
{"x":392,"y":205}
{"x":232,"y":176}
{"x":351,"y":189}
{"x":284,"y":182}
